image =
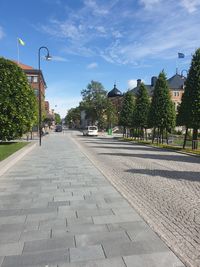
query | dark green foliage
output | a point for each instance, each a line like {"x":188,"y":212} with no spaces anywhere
{"x":189,"y":111}
{"x":18,"y":108}
{"x":142,"y":105}
{"x":126,"y":114}
{"x":73,"y":117}
{"x":57,"y":118}
{"x":192,"y":91}
{"x":111,"y":114}
{"x":162,"y":112}
{"x":94,"y":102}
{"x":183,"y":112}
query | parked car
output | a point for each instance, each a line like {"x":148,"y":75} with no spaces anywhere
{"x":58,"y":128}
{"x":90,"y":130}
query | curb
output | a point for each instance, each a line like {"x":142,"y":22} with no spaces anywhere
{"x":14,"y":158}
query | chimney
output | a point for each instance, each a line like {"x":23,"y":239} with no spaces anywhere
{"x":153,"y":81}
{"x":138,"y":82}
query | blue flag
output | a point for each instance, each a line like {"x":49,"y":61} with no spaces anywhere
{"x":181,"y":55}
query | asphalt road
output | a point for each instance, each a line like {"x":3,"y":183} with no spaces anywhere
{"x":163,"y":186}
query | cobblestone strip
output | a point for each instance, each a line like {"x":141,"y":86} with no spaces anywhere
{"x":170,"y":206}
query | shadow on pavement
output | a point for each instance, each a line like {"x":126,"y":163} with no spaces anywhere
{"x":172,"y":157}
{"x":127,"y":148}
{"x":176,"y":175}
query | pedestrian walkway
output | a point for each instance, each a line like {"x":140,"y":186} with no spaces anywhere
{"x":58,"y":210}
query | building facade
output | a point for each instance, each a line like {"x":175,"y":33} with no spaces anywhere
{"x":176,"y":86}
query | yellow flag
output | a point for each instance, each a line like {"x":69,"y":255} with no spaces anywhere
{"x":21,"y":42}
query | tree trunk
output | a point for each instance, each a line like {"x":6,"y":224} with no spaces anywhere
{"x":145,"y":134}
{"x":195,"y":139}
{"x":167,"y":137}
{"x":158,"y":136}
{"x":153,"y":135}
{"x":185,"y":137}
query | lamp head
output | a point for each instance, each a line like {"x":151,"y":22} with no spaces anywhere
{"x":48,"y":57}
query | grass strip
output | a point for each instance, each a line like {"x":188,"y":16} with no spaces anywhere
{"x":8,"y":148}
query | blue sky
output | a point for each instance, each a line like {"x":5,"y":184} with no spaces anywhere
{"x":102,"y":40}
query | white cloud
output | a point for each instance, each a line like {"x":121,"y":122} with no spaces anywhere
{"x":97,"y":9}
{"x":58,"y":58}
{"x":132,"y":84}
{"x":117,"y":34}
{"x":101,"y":29}
{"x":129,"y":39}
{"x":92,"y":65}
{"x":190,"y":5}
{"x":149,"y":3}
{"x":1,"y":33}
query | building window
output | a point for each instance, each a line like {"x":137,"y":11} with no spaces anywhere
{"x":35,"y":79}
{"x":29,"y":79}
{"x":176,"y":93}
{"x":36,"y":91}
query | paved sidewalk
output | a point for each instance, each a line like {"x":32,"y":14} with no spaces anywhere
{"x":58,"y":210}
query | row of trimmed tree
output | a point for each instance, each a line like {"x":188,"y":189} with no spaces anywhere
{"x":140,"y":113}
{"x":159,"y":114}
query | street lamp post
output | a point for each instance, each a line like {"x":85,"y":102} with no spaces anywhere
{"x":48,"y":57}
{"x":182,"y":76}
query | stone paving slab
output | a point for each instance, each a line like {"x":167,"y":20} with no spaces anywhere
{"x":116,"y":218}
{"x":101,"y":238}
{"x":49,"y":244}
{"x":8,"y":237}
{"x":57,"y":209}
{"x":34,"y":259}
{"x":34,"y":235}
{"x":86,"y":253}
{"x":19,"y":227}
{"x":163,"y":259}
{"x":94,"y":212}
{"x":12,"y":219}
{"x":115,"y":262}
{"x":134,"y":248}
{"x":11,"y":249}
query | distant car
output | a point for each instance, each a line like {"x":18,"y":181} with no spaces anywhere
{"x":90,"y":130}
{"x":58,"y":128}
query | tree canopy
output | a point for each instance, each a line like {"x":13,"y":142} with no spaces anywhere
{"x":73,"y":117}
{"x":18,"y":105}
{"x":142,"y":105}
{"x":162,"y":112}
{"x":189,"y":111}
{"x":57,"y":118}
{"x":126,"y":115}
{"x":94,"y":102}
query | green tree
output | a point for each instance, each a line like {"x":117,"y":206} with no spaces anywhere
{"x":142,"y":105}
{"x":189,"y":112}
{"x":182,"y":118}
{"x":94,"y":102}
{"x":127,"y":111}
{"x":18,"y":105}
{"x":73,"y":117}
{"x":111,"y":114}
{"x":162,"y":112}
{"x":57,"y":118}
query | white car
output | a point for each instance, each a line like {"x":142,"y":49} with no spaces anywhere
{"x":90,"y":130}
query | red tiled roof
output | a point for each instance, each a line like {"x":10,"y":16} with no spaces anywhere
{"x":23,"y":66}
